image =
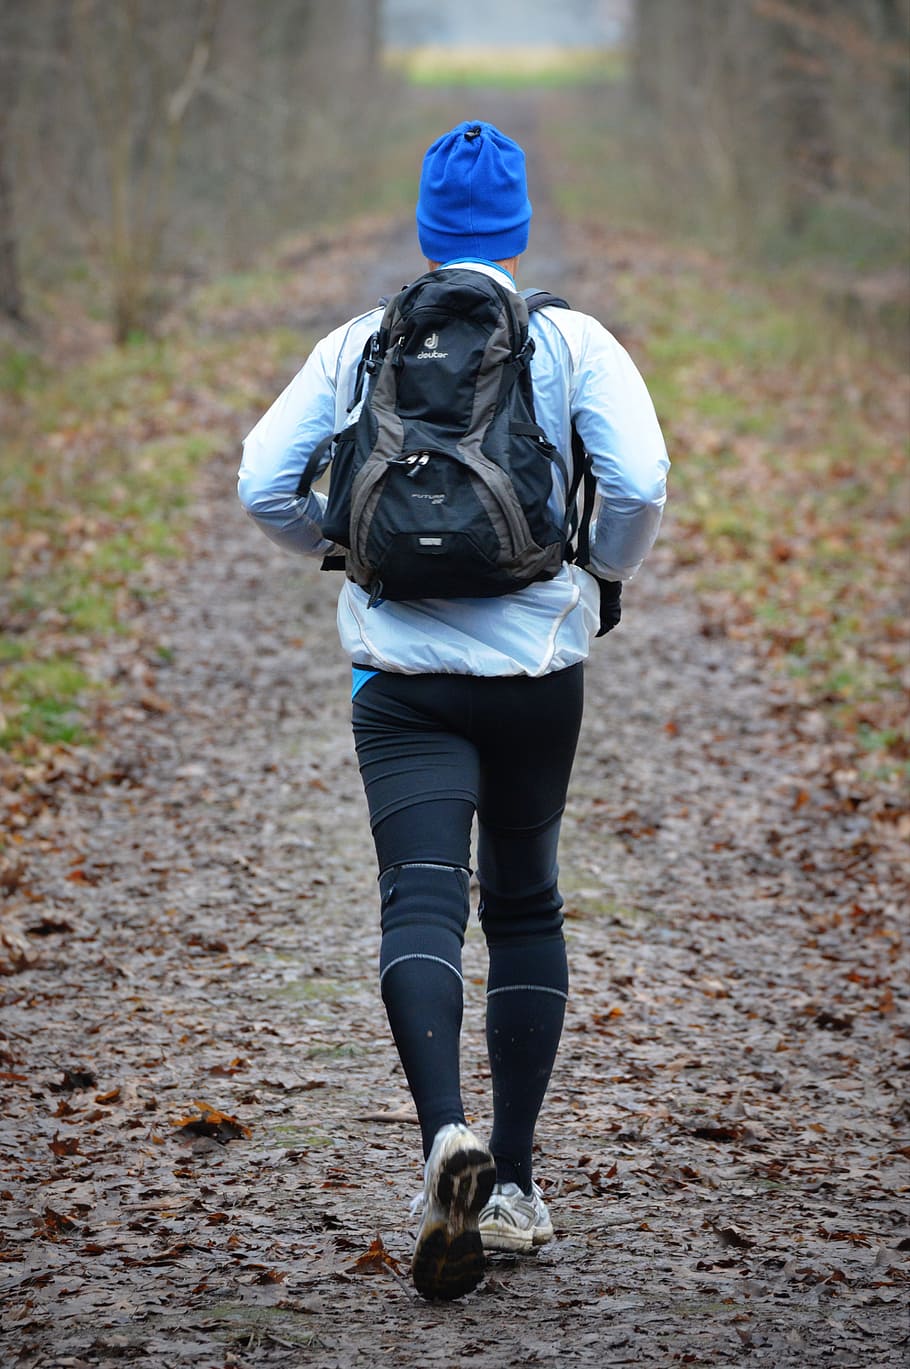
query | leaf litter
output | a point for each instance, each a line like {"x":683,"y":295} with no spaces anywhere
{"x":724,"y":1146}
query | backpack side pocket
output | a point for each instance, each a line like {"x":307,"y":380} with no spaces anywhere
{"x":336,"y":521}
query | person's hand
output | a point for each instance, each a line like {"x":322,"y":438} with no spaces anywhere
{"x":610,"y":607}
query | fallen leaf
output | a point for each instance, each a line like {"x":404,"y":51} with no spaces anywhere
{"x":854,"y":1237}
{"x":73,"y":1080}
{"x":155,"y":703}
{"x":831,"y":1022}
{"x":12,"y":875}
{"x":219,"y":1126}
{"x":66,"y":1145}
{"x":234,"y":1067}
{"x":375,"y":1260}
{"x":56,"y":1224}
{"x":80,"y":876}
{"x":49,"y":925}
{"x":271,"y":1276}
{"x":14,"y":950}
{"x":716,"y":1131}
{"x":733,"y":1236}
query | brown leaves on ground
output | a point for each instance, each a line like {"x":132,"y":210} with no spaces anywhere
{"x":217,"y":1126}
{"x":15,"y":948}
{"x":74,"y":1079}
{"x":789,"y":493}
{"x":723,"y":1147}
{"x":376,"y":1260}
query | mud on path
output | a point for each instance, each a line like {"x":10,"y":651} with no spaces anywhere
{"x":725,"y":1143}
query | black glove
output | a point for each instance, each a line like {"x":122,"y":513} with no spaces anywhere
{"x":610,"y":609}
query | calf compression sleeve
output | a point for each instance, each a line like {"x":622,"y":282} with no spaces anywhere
{"x":424,"y":914}
{"x":527,"y":990}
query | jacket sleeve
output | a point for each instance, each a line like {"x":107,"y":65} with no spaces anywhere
{"x":615,"y":418}
{"x":275,"y":453}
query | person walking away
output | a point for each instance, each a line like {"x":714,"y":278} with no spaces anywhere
{"x":470,"y":704}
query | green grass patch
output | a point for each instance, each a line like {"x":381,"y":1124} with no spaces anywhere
{"x":297,"y":1136}
{"x":614,"y":161}
{"x":789,"y":488}
{"x":341,"y":1052}
{"x":787,"y":428}
{"x":238,"y":290}
{"x":307,"y":990}
{"x":97,"y":474}
{"x":513,"y":68}
{"x":19,"y":368}
{"x":843,"y":232}
{"x":41,"y":698}
{"x":246,"y":1325}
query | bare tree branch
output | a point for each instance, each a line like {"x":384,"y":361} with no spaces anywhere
{"x":841,"y":31}
{"x":199,"y":60}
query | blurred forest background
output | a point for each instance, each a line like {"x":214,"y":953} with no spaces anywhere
{"x":144,"y":144}
{"x":192,"y":192}
{"x":735,"y":173}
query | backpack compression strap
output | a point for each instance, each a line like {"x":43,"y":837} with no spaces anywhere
{"x":367,"y":364}
{"x":369,"y":361}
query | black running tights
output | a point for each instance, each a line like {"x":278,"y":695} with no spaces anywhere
{"x":433,"y":751}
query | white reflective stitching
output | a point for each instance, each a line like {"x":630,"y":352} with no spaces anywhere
{"x":418,"y":956}
{"x":550,"y":648}
{"x":429,"y":865}
{"x":535,"y":988}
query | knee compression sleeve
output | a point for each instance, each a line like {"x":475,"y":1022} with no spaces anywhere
{"x":424,"y":914}
{"x":518,"y":875}
{"x":519,"y":917}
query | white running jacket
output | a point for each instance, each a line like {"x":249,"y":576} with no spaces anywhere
{"x":579,"y":371}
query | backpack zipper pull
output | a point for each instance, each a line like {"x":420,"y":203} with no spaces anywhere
{"x":371,"y":360}
{"x":417,"y":463}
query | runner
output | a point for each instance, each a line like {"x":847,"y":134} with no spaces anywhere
{"x":471,"y":706}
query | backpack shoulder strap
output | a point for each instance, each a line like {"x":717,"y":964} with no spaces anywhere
{"x":540,"y":299}
{"x":577,"y":525}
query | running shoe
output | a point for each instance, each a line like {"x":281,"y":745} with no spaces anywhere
{"x":458,"y":1179}
{"x":514,"y":1220}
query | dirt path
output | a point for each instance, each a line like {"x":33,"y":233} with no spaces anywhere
{"x":725,"y":1144}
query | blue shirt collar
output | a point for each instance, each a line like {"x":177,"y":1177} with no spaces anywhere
{"x":478,"y":261}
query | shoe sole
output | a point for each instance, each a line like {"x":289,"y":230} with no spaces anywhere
{"x":448,"y":1259}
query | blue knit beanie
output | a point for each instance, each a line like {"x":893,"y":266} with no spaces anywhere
{"x":473,"y":199}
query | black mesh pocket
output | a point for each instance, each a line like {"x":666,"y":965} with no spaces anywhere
{"x":336,"y":521}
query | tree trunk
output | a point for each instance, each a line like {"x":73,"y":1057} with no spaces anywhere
{"x":12,"y":303}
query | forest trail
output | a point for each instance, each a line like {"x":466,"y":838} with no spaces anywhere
{"x":725,"y":1143}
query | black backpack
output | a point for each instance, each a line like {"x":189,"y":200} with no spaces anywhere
{"x":440,"y":487}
